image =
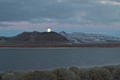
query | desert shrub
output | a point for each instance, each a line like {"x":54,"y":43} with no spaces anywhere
{"x":0,"y":76}
{"x":13,"y":75}
{"x":110,"y":68}
{"x":65,"y":74}
{"x":40,"y":75}
{"x":99,"y":74}
{"x":116,"y":74}
{"x":75,"y":70}
{"x":82,"y":73}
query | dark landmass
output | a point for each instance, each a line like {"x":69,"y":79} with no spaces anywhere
{"x":35,"y":38}
{"x":72,"y":73}
{"x":53,"y":39}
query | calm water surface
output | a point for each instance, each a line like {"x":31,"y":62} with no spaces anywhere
{"x":49,"y":58}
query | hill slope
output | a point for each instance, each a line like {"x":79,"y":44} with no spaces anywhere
{"x":35,"y":38}
{"x":89,"y":38}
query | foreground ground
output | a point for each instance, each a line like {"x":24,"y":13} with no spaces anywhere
{"x":72,"y":73}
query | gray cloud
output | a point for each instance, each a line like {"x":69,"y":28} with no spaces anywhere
{"x":4,"y":25}
{"x":64,"y":11}
{"x":27,"y":10}
{"x":12,"y":11}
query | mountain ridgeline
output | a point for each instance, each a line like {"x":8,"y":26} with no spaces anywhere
{"x":88,"y":38}
{"x":42,"y":39}
{"x":34,"y":38}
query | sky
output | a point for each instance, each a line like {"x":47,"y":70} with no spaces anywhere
{"x":89,"y":16}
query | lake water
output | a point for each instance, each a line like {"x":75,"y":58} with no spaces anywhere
{"x":50,"y":58}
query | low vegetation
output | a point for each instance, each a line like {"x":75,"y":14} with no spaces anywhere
{"x":72,"y":73}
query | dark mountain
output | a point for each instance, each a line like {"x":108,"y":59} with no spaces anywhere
{"x":35,"y":38}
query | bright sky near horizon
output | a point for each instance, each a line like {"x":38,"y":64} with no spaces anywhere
{"x":96,"y":16}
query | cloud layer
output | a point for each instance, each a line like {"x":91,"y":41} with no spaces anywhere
{"x":61,"y":14}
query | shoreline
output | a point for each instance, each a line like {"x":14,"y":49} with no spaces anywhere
{"x":63,"y":46}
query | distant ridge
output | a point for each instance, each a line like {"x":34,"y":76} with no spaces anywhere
{"x":86,"y":38}
{"x":62,"y":39}
{"x":35,"y":38}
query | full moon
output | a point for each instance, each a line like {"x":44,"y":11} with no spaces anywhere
{"x":49,"y":30}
